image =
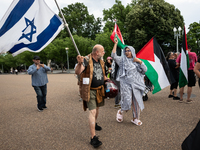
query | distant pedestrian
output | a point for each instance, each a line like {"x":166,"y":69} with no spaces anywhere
{"x":16,"y":71}
{"x":39,"y":81}
{"x":191,"y":75}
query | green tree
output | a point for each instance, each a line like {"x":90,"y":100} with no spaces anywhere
{"x":118,"y":12}
{"x":193,"y":36}
{"x":9,"y":62}
{"x":2,"y":63}
{"x":154,"y":18}
{"x":80,"y":22}
{"x":84,"y":45}
{"x":56,"y":52}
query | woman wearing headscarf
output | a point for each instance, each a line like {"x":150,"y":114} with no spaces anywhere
{"x":131,"y":77}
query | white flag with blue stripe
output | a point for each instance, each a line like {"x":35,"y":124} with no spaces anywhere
{"x":28,"y":25}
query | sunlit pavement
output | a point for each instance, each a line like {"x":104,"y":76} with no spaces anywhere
{"x":64,"y":125}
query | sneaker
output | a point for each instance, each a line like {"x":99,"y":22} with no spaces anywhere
{"x":95,"y":142}
{"x":44,"y":107}
{"x":176,"y":98}
{"x":170,"y":96}
{"x":39,"y":109}
{"x":189,"y":101}
{"x":98,"y":128}
{"x":180,"y":101}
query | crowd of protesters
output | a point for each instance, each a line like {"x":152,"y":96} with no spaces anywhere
{"x":92,"y":72}
{"x":174,"y":61}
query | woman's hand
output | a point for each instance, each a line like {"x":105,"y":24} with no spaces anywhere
{"x":115,"y":40}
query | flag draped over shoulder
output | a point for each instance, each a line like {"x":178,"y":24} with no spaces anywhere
{"x":28,"y":25}
{"x":117,"y":33}
{"x":157,"y":68}
{"x":184,"y":64}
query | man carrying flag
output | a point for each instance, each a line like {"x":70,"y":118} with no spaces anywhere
{"x":28,"y":25}
{"x":186,"y":60}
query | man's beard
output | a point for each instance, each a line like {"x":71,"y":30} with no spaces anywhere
{"x":99,"y":57}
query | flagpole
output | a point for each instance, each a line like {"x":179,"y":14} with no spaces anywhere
{"x":66,"y":25}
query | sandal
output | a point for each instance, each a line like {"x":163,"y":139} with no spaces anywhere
{"x":137,"y":122}
{"x":119,"y":117}
{"x":189,"y":101}
{"x":180,"y":101}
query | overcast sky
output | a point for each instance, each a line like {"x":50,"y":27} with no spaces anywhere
{"x":189,"y":8}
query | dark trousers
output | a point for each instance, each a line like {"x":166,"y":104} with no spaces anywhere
{"x":41,"y":92}
{"x":118,"y":97}
{"x":174,"y":85}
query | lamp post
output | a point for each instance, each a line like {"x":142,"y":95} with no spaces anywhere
{"x":67,"y":60}
{"x":177,"y":33}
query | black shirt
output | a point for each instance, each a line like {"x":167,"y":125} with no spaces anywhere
{"x":173,"y":71}
{"x":98,"y":78}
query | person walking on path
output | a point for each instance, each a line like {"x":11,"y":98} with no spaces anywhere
{"x":38,"y":71}
{"x":92,"y":76}
{"x":174,"y":75}
{"x":191,"y":76}
{"x":16,"y":71}
{"x":131,"y":77}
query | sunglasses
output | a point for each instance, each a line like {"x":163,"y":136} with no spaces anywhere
{"x":127,"y":51}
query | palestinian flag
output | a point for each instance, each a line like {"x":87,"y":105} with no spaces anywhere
{"x":184,"y":64}
{"x":157,"y":68}
{"x":117,"y":33}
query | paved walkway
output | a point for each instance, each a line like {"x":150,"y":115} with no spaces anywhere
{"x":64,"y":125}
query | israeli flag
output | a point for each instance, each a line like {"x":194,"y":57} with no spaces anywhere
{"x":28,"y":25}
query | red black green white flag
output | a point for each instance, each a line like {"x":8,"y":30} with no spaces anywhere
{"x":117,"y":33}
{"x":157,"y":68}
{"x":184,"y":64}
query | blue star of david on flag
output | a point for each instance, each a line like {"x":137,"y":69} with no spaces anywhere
{"x":29,"y":30}
{"x":28,"y":25}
